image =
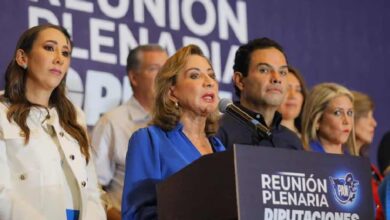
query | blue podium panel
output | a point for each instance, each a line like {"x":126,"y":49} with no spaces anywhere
{"x":293,"y":185}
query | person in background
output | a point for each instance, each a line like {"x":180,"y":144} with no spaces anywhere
{"x":327,"y":120}
{"x":365,"y":122}
{"x":291,"y":108}
{"x":384,"y":154}
{"x":260,"y":72}
{"x":184,"y":120}
{"x":365,"y":125}
{"x":384,"y":194}
{"x":112,"y":132}
{"x":46,"y":168}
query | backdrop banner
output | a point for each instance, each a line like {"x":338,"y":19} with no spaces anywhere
{"x":328,"y":41}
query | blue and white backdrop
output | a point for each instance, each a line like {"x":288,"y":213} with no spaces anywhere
{"x":329,"y":41}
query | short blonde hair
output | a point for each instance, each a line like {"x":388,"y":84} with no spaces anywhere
{"x":317,"y":101}
{"x":164,"y":113}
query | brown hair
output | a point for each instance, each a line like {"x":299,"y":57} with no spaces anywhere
{"x":15,"y":89}
{"x":362,"y":105}
{"x":316,"y":103}
{"x":165,"y":114}
{"x":304,"y":91}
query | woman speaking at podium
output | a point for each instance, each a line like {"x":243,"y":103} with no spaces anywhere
{"x":184,"y":120}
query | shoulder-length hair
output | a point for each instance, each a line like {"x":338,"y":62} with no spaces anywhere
{"x":304,"y":91}
{"x":316,"y":103}
{"x":362,"y":105}
{"x":165,"y":114}
{"x":15,"y":92}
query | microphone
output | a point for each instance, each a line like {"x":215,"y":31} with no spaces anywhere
{"x":227,"y":106}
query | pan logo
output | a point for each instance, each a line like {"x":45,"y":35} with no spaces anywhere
{"x":344,"y":188}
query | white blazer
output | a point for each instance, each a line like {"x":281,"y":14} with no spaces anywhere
{"x":29,"y":186}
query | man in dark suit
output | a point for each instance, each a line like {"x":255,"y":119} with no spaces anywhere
{"x":260,"y":69}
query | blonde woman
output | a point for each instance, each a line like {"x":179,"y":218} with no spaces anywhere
{"x":327,"y":120}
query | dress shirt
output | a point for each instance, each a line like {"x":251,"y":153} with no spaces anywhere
{"x":110,"y":138}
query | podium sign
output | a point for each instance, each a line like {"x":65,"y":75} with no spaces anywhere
{"x":269,"y":184}
{"x":280,"y":184}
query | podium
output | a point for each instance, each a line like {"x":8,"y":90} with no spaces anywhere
{"x":252,"y":182}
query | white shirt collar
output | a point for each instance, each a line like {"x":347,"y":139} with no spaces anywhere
{"x":136,"y":111}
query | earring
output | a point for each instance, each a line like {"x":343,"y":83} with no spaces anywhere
{"x":24,"y":66}
{"x":176,"y":105}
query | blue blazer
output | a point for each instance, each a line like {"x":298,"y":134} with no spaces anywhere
{"x":154,"y":155}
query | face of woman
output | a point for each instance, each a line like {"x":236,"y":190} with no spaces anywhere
{"x":196,"y":89}
{"x":48,"y":60}
{"x":336,"y":122}
{"x":292,"y":104}
{"x":365,"y":128}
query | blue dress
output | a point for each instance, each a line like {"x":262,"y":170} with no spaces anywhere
{"x":153,"y":155}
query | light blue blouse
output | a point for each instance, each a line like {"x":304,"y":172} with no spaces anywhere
{"x":153,"y":155}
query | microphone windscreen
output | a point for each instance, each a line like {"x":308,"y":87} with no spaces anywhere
{"x":223,"y":104}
